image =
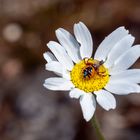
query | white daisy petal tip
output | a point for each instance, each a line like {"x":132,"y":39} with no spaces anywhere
{"x":87,"y":119}
{"x":48,"y":56}
{"x":112,"y":107}
{"x":59,"y":31}
{"x":123,"y":29}
{"x":49,"y":43}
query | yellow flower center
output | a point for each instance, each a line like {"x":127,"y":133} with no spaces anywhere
{"x":89,"y":75}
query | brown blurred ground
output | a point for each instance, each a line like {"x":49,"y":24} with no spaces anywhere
{"x":30,"y":112}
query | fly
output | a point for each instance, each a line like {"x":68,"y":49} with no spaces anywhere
{"x":91,"y":69}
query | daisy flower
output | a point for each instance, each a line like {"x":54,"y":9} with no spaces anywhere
{"x":93,"y":79}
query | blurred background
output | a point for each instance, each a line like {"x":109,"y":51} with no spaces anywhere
{"x":30,"y":112}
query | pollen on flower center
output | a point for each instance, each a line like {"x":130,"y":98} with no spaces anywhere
{"x":89,"y":75}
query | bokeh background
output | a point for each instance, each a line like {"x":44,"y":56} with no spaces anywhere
{"x":30,"y":112}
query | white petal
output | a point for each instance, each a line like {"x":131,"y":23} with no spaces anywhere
{"x":69,"y":43}
{"x":83,"y":36}
{"x":122,"y":88}
{"x":109,"y":42}
{"x":66,"y":74}
{"x":105,"y":99}
{"x":131,"y":75}
{"x":76,"y":93}
{"x":61,"y":54}
{"x":49,"y":57}
{"x":88,"y":105}
{"x":57,"y":68}
{"x":120,"y":47}
{"x":126,"y":60}
{"x":54,"y":66}
{"x":57,"y":83}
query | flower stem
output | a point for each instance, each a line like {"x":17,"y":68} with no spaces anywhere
{"x":97,"y":128}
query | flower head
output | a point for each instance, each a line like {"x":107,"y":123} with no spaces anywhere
{"x":88,"y":78}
